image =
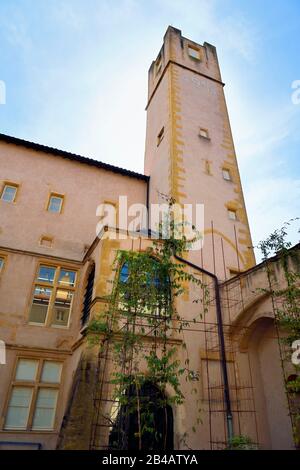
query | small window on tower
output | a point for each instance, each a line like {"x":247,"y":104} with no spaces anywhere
{"x":226,"y":174}
{"x":160,"y":136}
{"x":232,"y":214}
{"x":204,"y":133}
{"x":194,"y":52}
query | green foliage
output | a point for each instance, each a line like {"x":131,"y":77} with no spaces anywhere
{"x":293,"y":386}
{"x":241,"y":443}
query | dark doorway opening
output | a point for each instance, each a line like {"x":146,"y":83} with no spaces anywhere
{"x":145,"y":422}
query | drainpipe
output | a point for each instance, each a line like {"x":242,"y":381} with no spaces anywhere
{"x":221,"y":341}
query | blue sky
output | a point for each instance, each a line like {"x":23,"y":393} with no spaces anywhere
{"x":76,"y":78}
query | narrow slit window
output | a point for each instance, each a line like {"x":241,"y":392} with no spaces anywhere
{"x":88,"y":297}
{"x":2,"y":262}
{"x":160,"y":136}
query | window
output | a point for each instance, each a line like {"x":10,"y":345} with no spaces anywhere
{"x":226,"y":174}
{"x":154,"y":284}
{"x":9,"y":192}
{"x":204,"y":133}
{"x":53,"y":296}
{"x":232,"y":214}
{"x":55,"y":203}
{"x":2,"y":262}
{"x":46,"y":241}
{"x":194,"y":52}
{"x":125,"y":421}
{"x":160,"y":136}
{"x":34,"y":393}
{"x":88,"y":297}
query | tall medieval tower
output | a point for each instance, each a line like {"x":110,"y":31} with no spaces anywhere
{"x":190,"y":152}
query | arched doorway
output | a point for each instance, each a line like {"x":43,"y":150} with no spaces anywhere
{"x":145,"y":422}
{"x":274,"y":424}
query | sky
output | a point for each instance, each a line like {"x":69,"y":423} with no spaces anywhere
{"x":75,"y":74}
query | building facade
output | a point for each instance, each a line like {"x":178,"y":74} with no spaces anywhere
{"x":55,"y":273}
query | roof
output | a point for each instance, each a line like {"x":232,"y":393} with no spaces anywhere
{"x":257,"y":267}
{"x":71,"y":156}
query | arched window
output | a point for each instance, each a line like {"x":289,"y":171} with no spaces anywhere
{"x":88,"y":296}
{"x":153,"y":414}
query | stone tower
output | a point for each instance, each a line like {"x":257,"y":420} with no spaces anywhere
{"x":190,"y":152}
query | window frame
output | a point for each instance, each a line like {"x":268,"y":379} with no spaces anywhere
{"x":160,"y":136}
{"x":86,"y":305}
{"x":55,"y":286}
{"x":2,"y":265}
{"x":206,"y":136}
{"x":4,"y":258}
{"x":35,"y":386}
{"x":157,"y":313}
{"x":233,"y":211}
{"x":46,"y":238}
{"x":191,"y":47}
{"x":226,"y":171}
{"x":9,"y":184}
{"x":57,"y":195}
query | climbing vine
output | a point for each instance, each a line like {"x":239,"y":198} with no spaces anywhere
{"x":286,"y":306}
{"x":146,"y":334}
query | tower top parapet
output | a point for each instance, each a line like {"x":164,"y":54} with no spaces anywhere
{"x":201,"y":59}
